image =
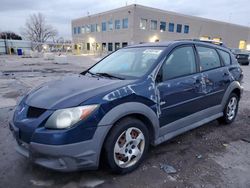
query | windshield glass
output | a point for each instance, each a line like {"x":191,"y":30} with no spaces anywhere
{"x":128,"y":63}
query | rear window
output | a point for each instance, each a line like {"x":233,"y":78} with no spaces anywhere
{"x":209,"y":58}
{"x":225,"y":57}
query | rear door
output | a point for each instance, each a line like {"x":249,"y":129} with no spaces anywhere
{"x":180,"y":86}
{"x":214,"y":74}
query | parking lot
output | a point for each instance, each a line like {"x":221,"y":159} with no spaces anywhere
{"x":213,"y":155}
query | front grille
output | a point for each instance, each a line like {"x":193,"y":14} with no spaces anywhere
{"x":34,"y":112}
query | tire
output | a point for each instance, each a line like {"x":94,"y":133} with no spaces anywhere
{"x":126,"y":145}
{"x":231,"y":109}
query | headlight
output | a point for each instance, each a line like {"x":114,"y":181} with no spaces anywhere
{"x":65,"y":118}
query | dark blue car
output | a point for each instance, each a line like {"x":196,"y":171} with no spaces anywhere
{"x":136,"y":97}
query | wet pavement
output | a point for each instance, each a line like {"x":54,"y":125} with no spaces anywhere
{"x":213,"y":155}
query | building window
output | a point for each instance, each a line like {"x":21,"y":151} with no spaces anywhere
{"x":110,"y":25}
{"x":104,"y":26}
{"x":79,"y":30}
{"x":83,"y":29}
{"x":87,"y":28}
{"x":93,"y":28}
{"x":124,"y":44}
{"x":117,"y":24}
{"x":117,"y":45}
{"x":74,"y":30}
{"x":162,"y":26}
{"x":125,"y":23}
{"x":104,"y":47}
{"x":178,"y":28}
{"x":110,"y":46}
{"x":153,"y":25}
{"x":98,"y":29}
{"x":143,"y":23}
{"x":186,"y":29}
{"x":171,"y":27}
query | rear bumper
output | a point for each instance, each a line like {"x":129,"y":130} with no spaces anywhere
{"x":71,"y":157}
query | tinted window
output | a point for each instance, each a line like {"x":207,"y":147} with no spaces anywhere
{"x":209,"y":58}
{"x":179,"y":28}
{"x":110,"y":25}
{"x":110,"y":46}
{"x":171,"y":27}
{"x":117,"y":24}
{"x":225,"y":56}
{"x":162,"y":26}
{"x":125,"y":23}
{"x":186,"y":29}
{"x":103,"y":26}
{"x":180,"y":62}
{"x":153,"y":25}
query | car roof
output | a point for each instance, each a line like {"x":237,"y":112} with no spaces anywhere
{"x":179,"y":42}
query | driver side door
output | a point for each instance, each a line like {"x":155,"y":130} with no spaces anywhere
{"x":180,"y":87}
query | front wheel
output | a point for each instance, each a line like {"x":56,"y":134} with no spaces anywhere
{"x":231,"y":109}
{"x":126,"y":145}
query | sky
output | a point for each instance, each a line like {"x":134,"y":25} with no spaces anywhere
{"x":59,"y":13}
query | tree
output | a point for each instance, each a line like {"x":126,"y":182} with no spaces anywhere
{"x":10,"y":35}
{"x":37,"y":30}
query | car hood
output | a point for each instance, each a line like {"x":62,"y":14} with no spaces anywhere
{"x":71,"y":91}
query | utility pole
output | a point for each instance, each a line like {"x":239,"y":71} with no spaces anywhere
{"x":5,"y":43}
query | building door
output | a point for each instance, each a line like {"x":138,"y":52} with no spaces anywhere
{"x":117,"y":45}
{"x":104,"y":47}
{"x":124,"y":44}
{"x":88,"y":46}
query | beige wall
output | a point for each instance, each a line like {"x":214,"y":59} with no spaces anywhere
{"x":121,"y":35}
{"x":231,"y":34}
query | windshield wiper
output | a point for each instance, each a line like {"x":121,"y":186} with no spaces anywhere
{"x":108,"y":75}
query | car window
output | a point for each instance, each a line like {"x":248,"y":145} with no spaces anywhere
{"x":128,"y":63}
{"x":209,"y":59}
{"x":180,"y":62}
{"x":225,"y":56}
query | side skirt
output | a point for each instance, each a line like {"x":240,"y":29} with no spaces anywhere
{"x":189,"y":123}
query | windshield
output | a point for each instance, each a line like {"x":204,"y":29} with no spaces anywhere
{"x":128,"y":63}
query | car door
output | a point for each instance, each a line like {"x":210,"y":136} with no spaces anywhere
{"x":180,"y":86}
{"x":215,"y":76}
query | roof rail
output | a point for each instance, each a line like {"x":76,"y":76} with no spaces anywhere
{"x":205,"y":40}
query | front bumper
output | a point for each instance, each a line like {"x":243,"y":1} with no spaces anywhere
{"x":70,"y":157}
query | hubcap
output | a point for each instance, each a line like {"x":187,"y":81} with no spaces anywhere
{"x":129,"y":147}
{"x":231,"y":108}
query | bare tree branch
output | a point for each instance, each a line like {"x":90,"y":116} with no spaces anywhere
{"x":37,"y":30}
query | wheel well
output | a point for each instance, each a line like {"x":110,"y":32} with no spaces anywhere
{"x":237,"y":92}
{"x":140,"y":117}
